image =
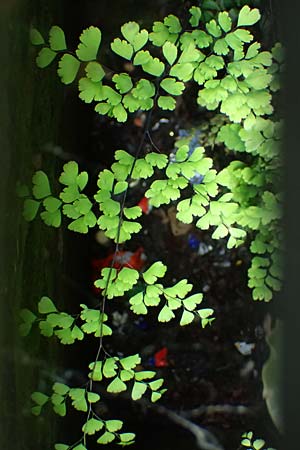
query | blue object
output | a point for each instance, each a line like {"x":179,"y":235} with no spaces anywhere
{"x":197,"y":178}
{"x":151,"y":361}
{"x":193,"y":242}
{"x":142,"y":324}
{"x":183,"y":133}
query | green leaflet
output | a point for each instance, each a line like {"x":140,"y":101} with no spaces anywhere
{"x":143,"y":89}
{"x":166,"y":314}
{"x":221,"y":47}
{"x":45,"y":57}
{"x":157,"y":270}
{"x":106,"y":438}
{"x":172,"y":86}
{"x":39,"y":398}
{"x":122,"y":48}
{"x":224,"y":21}
{"x":213,"y":28}
{"x":92,"y":426}
{"x":68,"y":67}
{"x":90,"y":90}
{"x":173,"y":23}
{"x":116,"y":386}
{"x":133,"y":212}
{"x":113,"y":425}
{"x":28,"y":319}
{"x":166,"y":102}
{"x":138,"y":390}
{"x":46,"y":306}
{"x":129,"y":362}
{"x":186,"y":318}
{"x":78,"y":399}
{"x":117,"y":284}
{"x":248,"y":16}
{"x":94,"y":71}
{"x":57,"y":39}
{"x":127,"y":437}
{"x":131,"y":32}
{"x":89,"y":44}
{"x":71,"y":176}
{"x":154,"y":66}
{"x":41,"y":186}
{"x":123,"y":82}
{"x":170,"y":52}
{"x":195,"y":16}
{"x":160,"y":34}
{"x":182,"y":71}
{"x":30,"y":209}
{"x":35,"y":37}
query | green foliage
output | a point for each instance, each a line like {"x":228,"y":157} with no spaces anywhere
{"x":248,"y":441}
{"x":173,"y":298}
{"x":71,"y":202}
{"x":122,"y":370}
{"x":90,"y":40}
{"x":216,"y":54}
{"x":65,"y":327}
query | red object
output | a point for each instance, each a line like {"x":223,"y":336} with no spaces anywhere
{"x":133,"y":260}
{"x":144,"y":205}
{"x":160,"y":358}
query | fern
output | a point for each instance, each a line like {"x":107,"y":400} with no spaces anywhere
{"x":235,"y":79}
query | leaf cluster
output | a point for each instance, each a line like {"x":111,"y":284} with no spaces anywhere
{"x":123,"y":370}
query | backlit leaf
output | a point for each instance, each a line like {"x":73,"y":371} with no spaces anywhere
{"x":92,"y":426}
{"x":123,"y":82}
{"x":45,"y":57}
{"x":122,"y":48}
{"x":133,"y":212}
{"x":68,"y":67}
{"x":166,"y":102}
{"x":195,"y":16}
{"x":46,"y":306}
{"x":154,"y":66}
{"x":173,"y":23}
{"x":166,"y":314}
{"x":155,"y":271}
{"x":172,"y":86}
{"x":39,"y":398}
{"x":127,"y":437}
{"x":94,"y":71}
{"x":117,"y":385}
{"x":170,"y":52}
{"x":113,"y":425}
{"x":138,"y":390}
{"x":140,"y":40}
{"x":186,"y":318}
{"x":60,"y":409}
{"x":154,"y":385}
{"x":248,"y":16}
{"x":57,"y":39}
{"x":224,"y":21}
{"x":106,"y":438}
{"x":89,"y":44}
{"x":41,"y":187}
{"x":130,"y":30}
